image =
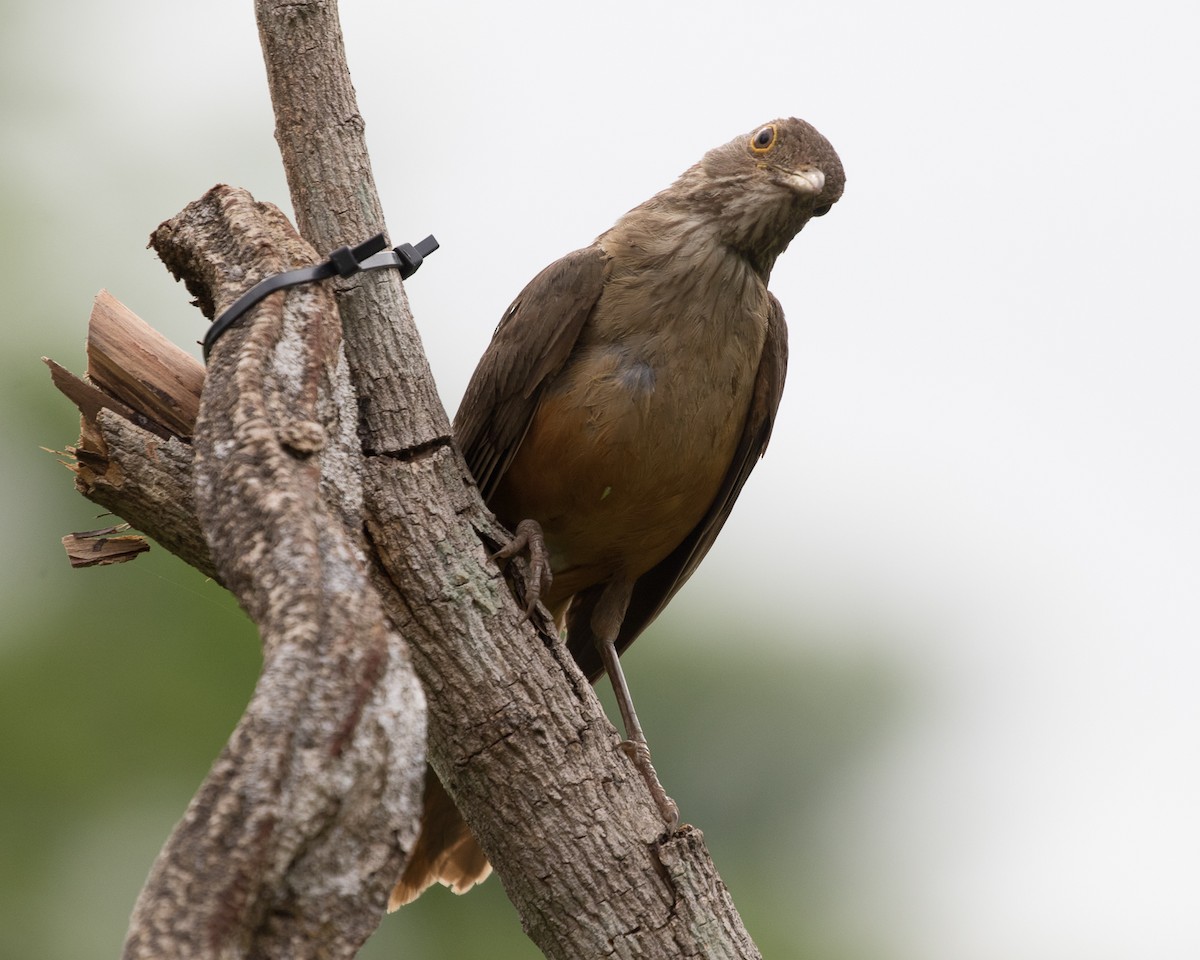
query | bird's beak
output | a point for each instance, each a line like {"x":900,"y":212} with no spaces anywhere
{"x":807,"y":183}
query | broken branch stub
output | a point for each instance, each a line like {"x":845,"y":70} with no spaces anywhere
{"x":137,"y":410}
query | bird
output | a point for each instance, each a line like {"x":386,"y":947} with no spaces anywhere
{"x":625,"y":396}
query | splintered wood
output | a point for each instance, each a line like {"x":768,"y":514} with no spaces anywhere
{"x":142,"y":394}
{"x":131,"y":361}
{"x":99,"y":548}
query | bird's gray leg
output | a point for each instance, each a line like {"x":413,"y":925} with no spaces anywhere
{"x":607,"y":616}
{"x":528,"y":538}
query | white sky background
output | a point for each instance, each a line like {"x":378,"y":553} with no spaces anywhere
{"x":989,"y":437}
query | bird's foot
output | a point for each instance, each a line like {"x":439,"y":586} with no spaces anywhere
{"x":529,"y":539}
{"x":639,"y":753}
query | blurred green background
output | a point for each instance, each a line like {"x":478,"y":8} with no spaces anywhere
{"x":119,"y":685}
{"x":932,"y":695}
{"x":117,"y":694}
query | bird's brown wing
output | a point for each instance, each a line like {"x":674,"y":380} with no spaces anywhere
{"x":658,"y":585}
{"x":531,"y":344}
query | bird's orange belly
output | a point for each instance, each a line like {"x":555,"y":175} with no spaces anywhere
{"x":619,"y":466}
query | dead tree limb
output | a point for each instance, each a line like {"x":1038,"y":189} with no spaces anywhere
{"x":516,"y":734}
{"x":353,"y":482}
{"x":294,"y":839}
{"x":321,"y":139}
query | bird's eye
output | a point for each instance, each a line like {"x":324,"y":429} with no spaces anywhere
{"x":822,"y":209}
{"x":764,"y":139}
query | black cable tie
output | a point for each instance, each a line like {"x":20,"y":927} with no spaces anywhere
{"x":343,"y":262}
{"x":407,"y":257}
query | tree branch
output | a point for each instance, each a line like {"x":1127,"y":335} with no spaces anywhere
{"x":320,"y":133}
{"x":298,"y":830}
{"x":516,"y":733}
{"x":308,"y":500}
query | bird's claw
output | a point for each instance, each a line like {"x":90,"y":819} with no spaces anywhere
{"x":639,"y":753}
{"x":528,"y":538}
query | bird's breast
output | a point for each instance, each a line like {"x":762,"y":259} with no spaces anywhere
{"x":633,"y":438}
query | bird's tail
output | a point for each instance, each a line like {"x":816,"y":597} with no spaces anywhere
{"x":445,"y":851}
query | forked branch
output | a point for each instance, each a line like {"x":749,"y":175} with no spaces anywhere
{"x":336,"y":506}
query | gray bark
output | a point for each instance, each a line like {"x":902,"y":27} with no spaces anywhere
{"x":292,"y":843}
{"x":336,"y":506}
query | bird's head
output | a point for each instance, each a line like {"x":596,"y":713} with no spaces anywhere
{"x":761,"y":188}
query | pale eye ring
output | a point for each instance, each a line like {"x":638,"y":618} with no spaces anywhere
{"x":764,"y":139}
